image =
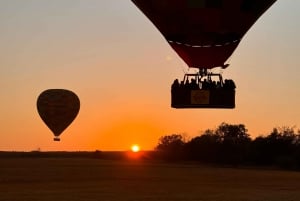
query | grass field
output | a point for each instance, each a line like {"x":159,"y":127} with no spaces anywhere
{"x":74,"y":179}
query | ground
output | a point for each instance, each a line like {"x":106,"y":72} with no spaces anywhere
{"x":89,"y":179}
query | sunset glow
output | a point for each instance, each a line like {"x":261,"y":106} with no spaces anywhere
{"x":135,"y":148}
{"x":121,"y":68}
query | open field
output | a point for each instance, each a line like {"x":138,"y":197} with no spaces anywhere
{"x":74,"y":179}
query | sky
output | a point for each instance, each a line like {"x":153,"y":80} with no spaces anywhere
{"x":121,"y":68}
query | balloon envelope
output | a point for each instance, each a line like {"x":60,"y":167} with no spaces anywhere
{"x":58,"y":108}
{"x":204,"y":33}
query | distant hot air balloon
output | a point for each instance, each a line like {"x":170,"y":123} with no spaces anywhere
{"x":58,"y":108}
{"x":204,"y":33}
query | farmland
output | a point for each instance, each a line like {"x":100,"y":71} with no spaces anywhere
{"x":87,"y":179}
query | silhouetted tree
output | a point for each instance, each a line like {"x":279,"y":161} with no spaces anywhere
{"x":280,"y":147}
{"x":260,"y":152}
{"x":234,"y":141}
{"x":281,"y":144}
{"x":231,"y":144}
{"x":204,"y":147}
{"x":171,"y":146}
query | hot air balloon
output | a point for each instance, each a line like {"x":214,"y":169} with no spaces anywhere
{"x":204,"y":33}
{"x":58,"y":108}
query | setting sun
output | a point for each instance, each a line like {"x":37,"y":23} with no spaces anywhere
{"x":135,"y":148}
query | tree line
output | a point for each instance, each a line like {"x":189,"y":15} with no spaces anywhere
{"x":230,"y":144}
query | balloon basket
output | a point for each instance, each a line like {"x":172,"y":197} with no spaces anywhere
{"x":56,"y":139}
{"x":203,"y":91}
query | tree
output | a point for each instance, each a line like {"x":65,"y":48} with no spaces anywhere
{"x":234,"y":141}
{"x":203,"y":147}
{"x":171,"y":146}
{"x":231,"y":144}
{"x":280,"y":147}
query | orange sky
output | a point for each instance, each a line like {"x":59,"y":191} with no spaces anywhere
{"x":121,"y":68}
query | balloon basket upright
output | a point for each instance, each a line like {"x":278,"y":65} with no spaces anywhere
{"x":56,"y":139}
{"x":201,"y":90}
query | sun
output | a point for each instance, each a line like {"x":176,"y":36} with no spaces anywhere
{"x":135,"y":148}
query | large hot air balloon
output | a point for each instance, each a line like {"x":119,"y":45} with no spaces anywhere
{"x":58,"y":108}
{"x":204,"y":33}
